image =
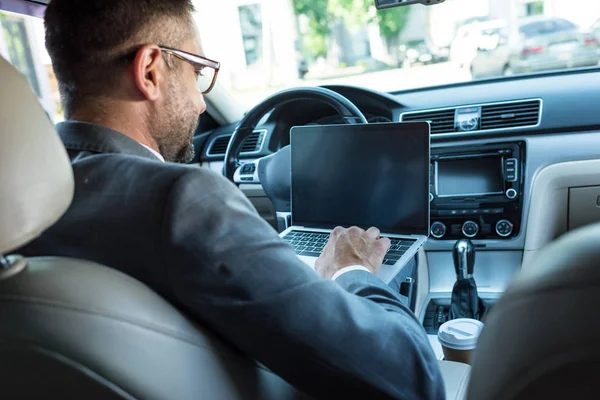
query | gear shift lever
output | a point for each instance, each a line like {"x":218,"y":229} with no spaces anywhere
{"x":463,"y":254}
{"x":465,"y":299}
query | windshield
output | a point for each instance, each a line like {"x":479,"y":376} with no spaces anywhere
{"x":268,"y":45}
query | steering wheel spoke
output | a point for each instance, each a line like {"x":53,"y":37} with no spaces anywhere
{"x":247,"y":172}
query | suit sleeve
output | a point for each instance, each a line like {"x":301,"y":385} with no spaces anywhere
{"x":229,"y":268}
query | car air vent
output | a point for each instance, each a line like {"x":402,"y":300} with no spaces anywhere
{"x":219,"y":146}
{"x":510,"y":115}
{"x":441,"y":121}
{"x":252,"y":144}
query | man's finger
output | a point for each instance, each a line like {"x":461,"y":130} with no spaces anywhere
{"x":336,"y":232}
{"x":355,"y":231}
{"x":385,"y":243}
{"x":373,"y":233}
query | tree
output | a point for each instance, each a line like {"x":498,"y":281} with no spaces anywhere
{"x":353,"y":12}
{"x":391,"y":21}
{"x":316,"y":11}
{"x":321,"y":13}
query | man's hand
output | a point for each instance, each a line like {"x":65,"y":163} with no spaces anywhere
{"x":352,"y":246}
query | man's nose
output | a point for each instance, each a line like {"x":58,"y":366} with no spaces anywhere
{"x":202,"y":107}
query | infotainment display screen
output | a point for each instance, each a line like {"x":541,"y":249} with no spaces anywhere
{"x":469,"y":176}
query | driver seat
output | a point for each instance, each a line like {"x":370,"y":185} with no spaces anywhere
{"x":74,"y":329}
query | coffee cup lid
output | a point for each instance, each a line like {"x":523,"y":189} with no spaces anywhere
{"x":460,"y":334}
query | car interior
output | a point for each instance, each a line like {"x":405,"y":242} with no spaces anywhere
{"x":514,"y":188}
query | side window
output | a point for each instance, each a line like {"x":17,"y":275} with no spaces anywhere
{"x":534,"y":8}
{"x":19,"y":50}
{"x":22,"y":45}
{"x":564,"y":25}
{"x":538,"y":28}
{"x":530,"y":29}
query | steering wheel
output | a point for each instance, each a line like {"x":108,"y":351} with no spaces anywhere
{"x":273,"y":171}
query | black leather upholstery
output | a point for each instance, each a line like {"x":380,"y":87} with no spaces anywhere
{"x":74,"y":329}
{"x":541,"y":340}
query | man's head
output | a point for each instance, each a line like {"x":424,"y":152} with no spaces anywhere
{"x":110,"y":67}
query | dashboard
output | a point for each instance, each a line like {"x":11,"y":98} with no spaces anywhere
{"x":489,"y":140}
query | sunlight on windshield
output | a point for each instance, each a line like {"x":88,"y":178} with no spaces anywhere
{"x":265,"y":46}
{"x":268,"y":45}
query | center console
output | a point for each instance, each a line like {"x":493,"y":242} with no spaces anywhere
{"x":477,"y":192}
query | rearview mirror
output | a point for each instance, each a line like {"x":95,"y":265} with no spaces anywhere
{"x":382,"y":4}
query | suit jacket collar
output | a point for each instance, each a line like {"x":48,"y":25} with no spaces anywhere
{"x":85,"y":136}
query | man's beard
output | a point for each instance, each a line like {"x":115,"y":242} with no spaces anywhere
{"x":177,"y":126}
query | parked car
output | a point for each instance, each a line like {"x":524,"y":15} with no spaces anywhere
{"x":416,"y":52}
{"x":595,"y":30}
{"x":543,"y":44}
{"x":468,"y":37}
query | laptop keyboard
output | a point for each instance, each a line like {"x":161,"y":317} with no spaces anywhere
{"x":311,"y":244}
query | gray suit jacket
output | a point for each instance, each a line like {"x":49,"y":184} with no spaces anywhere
{"x":194,"y":238}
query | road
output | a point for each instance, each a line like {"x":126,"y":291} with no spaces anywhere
{"x":384,"y":81}
{"x":404,"y":78}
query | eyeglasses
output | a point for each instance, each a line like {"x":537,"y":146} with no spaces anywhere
{"x":206,"y":69}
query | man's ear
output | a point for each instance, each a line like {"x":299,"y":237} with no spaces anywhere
{"x":149,"y":71}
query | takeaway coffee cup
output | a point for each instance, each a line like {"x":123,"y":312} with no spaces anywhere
{"x":459,"y":338}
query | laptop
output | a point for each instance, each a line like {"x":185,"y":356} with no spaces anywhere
{"x":360,"y":175}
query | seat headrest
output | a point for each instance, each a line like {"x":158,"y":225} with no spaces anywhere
{"x":36,"y":178}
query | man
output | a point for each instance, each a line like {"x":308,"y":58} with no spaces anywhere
{"x":127,"y":76}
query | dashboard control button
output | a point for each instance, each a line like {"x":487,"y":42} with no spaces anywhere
{"x":470,"y":229}
{"x":504,"y":228}
{"x":249,"y":168}
{"x":431,"y":197}
{"x":486,"y":229}
{"x":456,"y":229}
{"x":497,"y":210}
{"x":511,"y":173}
{"x":511,"y":194}
{"x":438,"y":230}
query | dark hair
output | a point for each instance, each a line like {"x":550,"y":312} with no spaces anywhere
{"x":86,"y":38}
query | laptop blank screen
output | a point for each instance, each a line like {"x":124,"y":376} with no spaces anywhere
{"x":364,"y":175}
